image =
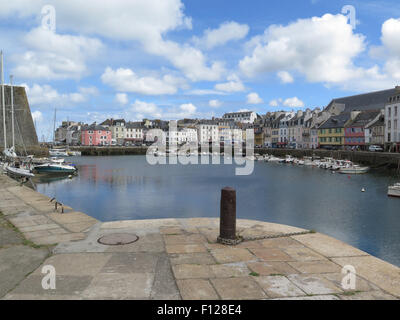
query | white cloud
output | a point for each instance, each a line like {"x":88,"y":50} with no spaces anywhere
{"x":234,"y":84}
{"x":121,"y":98}
{"x":147,"y":109}
{"x":128,"y":81}
{"x":285,"y":77}
{"x":274,"y":103}
{"x":54,"y":56}
{"x":145,"y":21}
{"x":214,"y":103}
{"x":293,"y":103}
{"x":227,"y":31}
{"x":390,"y":40}
{"x":45,"y":95}
{"x":254,"y":98}
{"x":321,"y":48}
{"x":289,"y":102}
{"x":141,"y":109}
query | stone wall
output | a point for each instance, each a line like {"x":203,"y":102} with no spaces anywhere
{"x":25,"y":132}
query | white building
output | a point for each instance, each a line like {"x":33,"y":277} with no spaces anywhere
{"x":134,"y":132}
{"x":207,"y":131}
{"x":243,"y":117}
{"x":392,"y":129}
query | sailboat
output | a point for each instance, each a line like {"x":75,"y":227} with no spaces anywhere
{"x":13,"y":170}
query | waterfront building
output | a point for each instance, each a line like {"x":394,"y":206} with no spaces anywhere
{"x":392,"y":125}
{"x":375,"y":131}
{"x":243,"y":117}
{"x":117,"y":128}
{"x":331,"y":132}
{"x":68,"y":133}
{"x":133,"y":133}
{"x":73,"y":136}
{"x":207,"y":131}
{"x":284,"y":129}
{"x":96,"y":135}
{"x":355,"y":128}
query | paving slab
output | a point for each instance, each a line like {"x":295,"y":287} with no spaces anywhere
{"x":230,"y":270}
{"x":228,"y":255}
{"x":315,"y":266}
{"x":192,"y":258}
{"x":192,"y":271}
{"x":303,"y":254}
{"x":164,"y":285}
{"x":264,"y":268}
{"x":278,"y":287}
{"x":120,"y":286}
{"x":16,"y":263}
{"x":328,"y":246}
{"x":197,"y":289}
{"x":314,"y":284}
{"x":371,"y":295}
{"x":244,"y":288}
{"x":185,"y":248}
{"x":123,"y":263}
{"x":271,"y":254}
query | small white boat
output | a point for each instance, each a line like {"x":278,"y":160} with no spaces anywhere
{"x":58,"y":153}
{"x":274,"y":159}
{"x":355,"y":169}
{"x":19,"y":172}
{"x":394,"y":191}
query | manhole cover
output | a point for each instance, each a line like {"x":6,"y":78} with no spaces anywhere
{"x":118,"y":239}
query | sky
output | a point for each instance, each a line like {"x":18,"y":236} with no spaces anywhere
{"x":174,"y":59}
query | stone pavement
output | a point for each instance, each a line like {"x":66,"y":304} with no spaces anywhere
{"x":181,"y":259}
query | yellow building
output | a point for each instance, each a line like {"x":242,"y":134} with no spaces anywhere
{"x":331,"y":132}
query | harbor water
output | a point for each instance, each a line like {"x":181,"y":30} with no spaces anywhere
{"x":127,"y":187}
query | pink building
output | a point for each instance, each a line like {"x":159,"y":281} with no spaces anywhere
{"x":95,"y":135}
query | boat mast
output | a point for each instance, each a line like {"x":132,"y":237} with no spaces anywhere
{"x":3,"y":102}
{"x":12,"y":111}
{"x":54,"y":127}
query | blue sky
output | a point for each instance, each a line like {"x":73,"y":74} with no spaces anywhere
{"x":174,"y":58}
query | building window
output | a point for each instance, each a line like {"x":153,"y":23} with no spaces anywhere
{"x":389,"y":112}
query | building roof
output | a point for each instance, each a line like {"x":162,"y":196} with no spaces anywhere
{"x":363,"y":118}
{"x":368,"y":101}
{"x":134,"y":125}
{"x":336,"y":121}
{"x":95,"y":127}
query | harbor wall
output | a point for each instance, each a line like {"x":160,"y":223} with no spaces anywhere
{"x":373,"y":159}
{"x":25,"y":132}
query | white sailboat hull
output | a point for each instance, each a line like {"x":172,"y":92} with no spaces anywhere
{"x":18,"y":172}
{"x":354,"y":170}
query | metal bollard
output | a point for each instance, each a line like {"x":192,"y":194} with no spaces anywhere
{"x":227,"y":227}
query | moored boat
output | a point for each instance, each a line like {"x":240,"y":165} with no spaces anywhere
{"x":394,"y":191}
{"x":19,"y":172}
{"x":55,"y":168}
{"x":355,"y":169}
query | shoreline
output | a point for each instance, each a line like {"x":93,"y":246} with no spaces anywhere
{"x":377,"y":160}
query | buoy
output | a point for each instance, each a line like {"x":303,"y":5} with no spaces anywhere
{"x":362,"y":190}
